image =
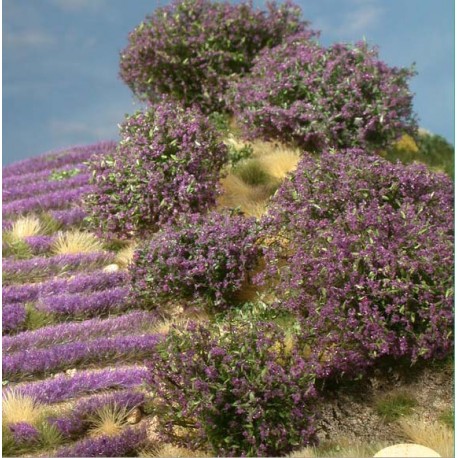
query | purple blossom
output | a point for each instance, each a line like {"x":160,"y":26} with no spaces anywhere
{"x":13,"y":317}
{"x":204,"y":258}
{"x":24,"y":433}
{"x":64,"y":387}
{"x":125,"y":444}
{"x":76,"y":423}
{"x":167,"y":163}
{"x":318,"y":97}
{"x":98,"y":280}
{"x":55,"y":160}
{"x":86,"y":305}
{"x":73,"y":332}
{"x":102,"y":350}
{"x":190,"y":49}
{"x":41,"y":268}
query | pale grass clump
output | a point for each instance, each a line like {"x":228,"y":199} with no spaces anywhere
{"x":280,"y":163}
{"x":433,"y":435}
{"x":124,"y":257}
{"x":339,"y":449}
{"x":18,"y":408}
{"x":26,"y":226}
{"x":75,"y":242}
{"x":109,"y":420}
{"x":164,"y":327}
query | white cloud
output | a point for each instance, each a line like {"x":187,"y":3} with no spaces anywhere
{"x":78,"y":5}
{"x":366,"y":16}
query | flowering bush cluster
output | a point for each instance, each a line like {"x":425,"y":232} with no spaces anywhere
{"x":205,"y":258}
{"x":365,"y":250}
{"x":167,"y":163}
{"x":238,"y":388}
{"x":191,"y":48}
{"x":318,"y":97}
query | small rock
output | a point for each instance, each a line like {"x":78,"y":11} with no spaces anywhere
{"x":111,"y":268}
{"x":134,"y":417}
{"x":406,"y":450}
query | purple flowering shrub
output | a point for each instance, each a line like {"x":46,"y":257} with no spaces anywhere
{"x":318,"y":97}
{"x":364,"y":249}
{"x":237,"y":387}
{"x":191,"y":48}
{"x":204,"y":258}
{"x":167,"y":163}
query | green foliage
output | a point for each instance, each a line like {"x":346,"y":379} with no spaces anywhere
{"x":60,"y":175}
{"x":239,"y":154}
{"x":36,"y":319}
{"x":251,"y":172}
{"x":48,"y":224}
{"x":220,"y":121}
{"x":447,"y":417}
{"x":395,"y":405}
{"x":15,"y":247}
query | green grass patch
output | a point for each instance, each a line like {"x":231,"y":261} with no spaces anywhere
{"x":447,"y":417}
{"x":395,"y":405}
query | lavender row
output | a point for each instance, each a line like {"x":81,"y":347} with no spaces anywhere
{"x":95,"y":281}
{"x":75,"y":424}
{"x":36,"y":177}
{"x":53,"y":160}
{"x":69,"y":216}
{"x":59,"y":357}
{"x":44,"y":187}
{"x":82,"y":305}
{"x":17,"y":271}
{"x":132,"y":323}
{"x":55,"y":200}
{"x":63,"y":387}
{"x":13,"y":317}
{"x":124,"y":444}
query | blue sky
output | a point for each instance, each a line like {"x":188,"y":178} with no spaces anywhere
{"x":60,"y":62}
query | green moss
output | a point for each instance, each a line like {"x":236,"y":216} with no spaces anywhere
{"x":447,"y":417}
{"x":251,"y":172}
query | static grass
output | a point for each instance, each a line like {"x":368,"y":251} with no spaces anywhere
{"x":394,"y":405}
{"x":35,"y":319}
{"x":251,"y":172}
{"x":109,"y":420}
{"x":76,"y":242}
{"x":447,"y":417}
{"x":16,"y":248}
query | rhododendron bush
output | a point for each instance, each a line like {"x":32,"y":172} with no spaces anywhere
{"x":318,"y":97}
{"x":191,"y":48}
{"x":168,"y":162}
{"x":206,"y":259}
{"x":238,"y":387}
{"x":364,"y":249}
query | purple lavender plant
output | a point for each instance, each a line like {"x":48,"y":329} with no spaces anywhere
{"x":366,"y":255}
{"x":125,"y":444}
{"x":192,"y":48}
{"x":63,"y":387}
{"x":206,"y":258}
{"x":167,"y":163}
{"x":318,"y":97}
{"x":13,"y":317}
{"x":24,"y":433}
{"x":102,"y":350}
{"x":47,"y":336}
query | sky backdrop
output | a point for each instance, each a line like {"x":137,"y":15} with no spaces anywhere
{"x":60,"y":62}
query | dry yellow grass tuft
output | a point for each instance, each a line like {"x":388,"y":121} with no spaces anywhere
{"x":26,"y":226}
{"x":108,"y":421}
{"x":281,"y":162}
{"x":75,"y":242}
{"x":434,"y":435}
{"x":339,"y":449}
{"x":124,"y":257}
{"x":171,"y":451}
{"x":19,"y":408}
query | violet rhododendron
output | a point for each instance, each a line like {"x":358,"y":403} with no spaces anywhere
{"x":366,"y":254}
{"x":167,"y":163}
{"x":190,"y":49}
{"x":318,"y":97}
